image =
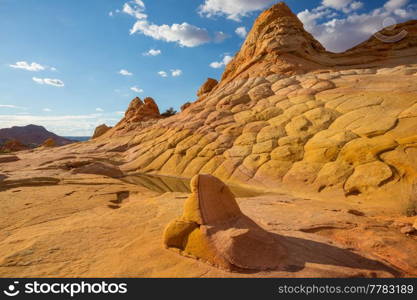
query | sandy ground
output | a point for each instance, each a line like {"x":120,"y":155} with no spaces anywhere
{"x":94,"y":226}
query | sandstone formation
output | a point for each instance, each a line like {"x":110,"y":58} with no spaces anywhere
{"x":207,"y":87}
{"x":139,"y":114}
{"x":141,"y":111}
{"x":328,"y":140}
{"x":214,"y":229}
{"x":288,"y":115}
{"x":13,"y":146}
{"x":100,"y":130}
{"x":8,"y":158}
{"x":49,"y":143}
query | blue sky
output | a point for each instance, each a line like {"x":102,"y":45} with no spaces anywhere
{"x":71,"y":65}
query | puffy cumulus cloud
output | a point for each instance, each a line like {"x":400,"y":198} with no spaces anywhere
{"x":241,"y":31}
{"x":49,"y":81}
{"x":176,"y":73}
{"x":152,"y":52}
{"x":341,"y":31}
{"x":33,"y":67}
{"x":232,"y":9}
{"x":222,"y":63}
{"x":66,"y":125}
{"x":186,"y":35}
{"x":343,"y":5}
{"x":98,"y":109}
{"x":395,"y":4}
{"x":136,"y":89}
{"x":125,"y":72}
{"x":47,"y":109}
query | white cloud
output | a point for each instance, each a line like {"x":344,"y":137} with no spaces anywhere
{"x":345,"y":31}
{"x":136,"y":89}
{"x":47,"y":110}
{"x":163,"y":74}
{"x":184,"y":34}
{"x":241,"y":31}
{"x":176,"y":73}
{"x":152,"y":52}
{"x":221,"y":64}
{"x":395,"y":4}
{"x":125,"y":72}
{"x":67,"y":125}
{"x":49,"y":81}
{"x":98,"y":109}
{"x":135,"y":9}
{"x":232,"y":9}
{"x":343,"y":5}
{"x":34,"y":67}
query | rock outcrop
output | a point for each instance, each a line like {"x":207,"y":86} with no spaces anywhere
{"x":207,"y":87}
{"x":13,"y":146}
{"x":213,"y":229}
{"x":139,"y":111}
{"x":49,"y":143}
{"x":8,"y":158}
{"x":290,"y":115}
{"x":100,"y":130}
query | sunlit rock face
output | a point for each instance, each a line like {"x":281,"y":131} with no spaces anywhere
{"x":213,"y":229}
{"x":288,"y":114}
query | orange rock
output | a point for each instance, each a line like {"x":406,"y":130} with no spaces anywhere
{"x":13,"y":146}
{"x":100,"y":130}
{"x":214,"y":229}
{"x":207,"y":87}
{"x":49,"y":143}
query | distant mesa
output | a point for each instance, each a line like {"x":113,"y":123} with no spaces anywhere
{"x":213,"y":229}
{"x":26,"y":137}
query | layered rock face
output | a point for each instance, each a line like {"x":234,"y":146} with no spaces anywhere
{"x":213,"y":229}
{"x":288,"y":114}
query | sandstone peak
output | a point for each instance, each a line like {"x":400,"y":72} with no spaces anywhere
{"x":139,"y":110}
{"x":274,"y":44}
{"x":207,"y":87}
{"x":279,"y":44}
{"x":100,"y":130}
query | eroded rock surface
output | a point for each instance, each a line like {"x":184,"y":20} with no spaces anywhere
{"x":100,"y":130}
{"x":214,"y":229}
